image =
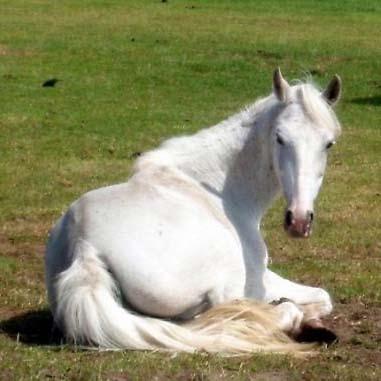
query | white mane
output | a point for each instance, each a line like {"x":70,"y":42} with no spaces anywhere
{"x":308,"y":95}
{"x":316,"y":107}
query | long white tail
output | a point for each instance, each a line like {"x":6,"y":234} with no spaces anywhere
{"x":88,"y":309}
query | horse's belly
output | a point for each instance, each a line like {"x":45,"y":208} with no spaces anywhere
{"x":168,"y":253}
{"x":166,"y":269}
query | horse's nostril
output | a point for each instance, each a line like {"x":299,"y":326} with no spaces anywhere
{"x":310,"y":216}
{"x":289,"y":217}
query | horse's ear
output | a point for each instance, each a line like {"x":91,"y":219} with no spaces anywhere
{"x":280,"y":86}
{"x":333,"y":91}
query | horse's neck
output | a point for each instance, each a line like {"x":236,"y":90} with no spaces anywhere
{"x":251,"y":184}
{"x":208,"y":155}
{"x":232,"y":160}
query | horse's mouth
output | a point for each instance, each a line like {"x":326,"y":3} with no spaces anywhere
{"x":299,"y":229}
{"x":298,"y":225}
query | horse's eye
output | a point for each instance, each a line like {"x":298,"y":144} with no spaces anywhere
{"x":329,"y":145}
{"x":279,"y":140}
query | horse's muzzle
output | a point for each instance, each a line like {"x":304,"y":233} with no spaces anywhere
{"x":296,"y":226}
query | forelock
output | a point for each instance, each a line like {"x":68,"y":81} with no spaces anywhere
{"x":315,"y":107}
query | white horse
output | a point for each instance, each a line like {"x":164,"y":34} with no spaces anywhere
{"x":157,"y":262}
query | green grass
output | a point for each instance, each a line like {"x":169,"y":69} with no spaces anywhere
{"x":135,"y":72}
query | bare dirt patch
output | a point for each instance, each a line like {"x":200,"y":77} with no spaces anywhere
{"x":270,"y":376}
{"x":117,"y":376}
{"x":7,"y":247}
{"x":191,"y":375}
{"x":358,"y":327}
{"x":23,"y":236}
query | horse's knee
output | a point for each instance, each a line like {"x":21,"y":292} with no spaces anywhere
{"x":320,"y":305}
{"x":328,"y":302}
{"x":325,"y":302}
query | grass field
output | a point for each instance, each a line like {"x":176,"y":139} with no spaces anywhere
{"x":132,"y":73}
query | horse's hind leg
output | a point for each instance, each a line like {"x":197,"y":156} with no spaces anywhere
{"x":315,"y":302}
{"x":194,"y":310}
{"x":300,"y":323}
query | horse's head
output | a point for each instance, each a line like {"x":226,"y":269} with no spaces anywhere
{"x":302,"y":134}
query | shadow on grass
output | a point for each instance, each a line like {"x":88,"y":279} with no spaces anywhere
{"x":370,"y":101}
{"x":33,"y":327}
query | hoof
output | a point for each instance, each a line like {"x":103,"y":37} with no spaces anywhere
{"x":280,"y":301}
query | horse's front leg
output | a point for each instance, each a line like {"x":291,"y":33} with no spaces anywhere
{"x":263,"y":284}
{"x":315,"y":302}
